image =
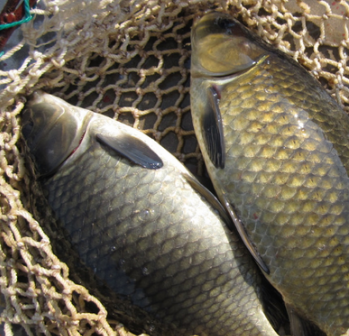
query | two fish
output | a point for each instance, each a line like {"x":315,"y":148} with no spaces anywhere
{"x":277,"y":150}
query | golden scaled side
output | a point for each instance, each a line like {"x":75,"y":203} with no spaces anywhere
{"x":286,"y":176}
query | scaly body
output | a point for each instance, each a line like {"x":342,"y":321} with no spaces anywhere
{"x":147,"y":232}
{"x":284,"y":169}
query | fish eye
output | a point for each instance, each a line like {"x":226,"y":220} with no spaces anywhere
{"x":225,"y":24}
{"x":230,"y":27}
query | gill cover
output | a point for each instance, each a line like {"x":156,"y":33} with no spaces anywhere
{"x":52,"y":131}
{"x":222,"y":46}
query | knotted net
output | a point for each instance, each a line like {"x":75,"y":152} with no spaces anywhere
{"x":128,"y":59}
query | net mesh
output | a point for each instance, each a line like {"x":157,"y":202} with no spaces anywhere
{"x":129,"y":60}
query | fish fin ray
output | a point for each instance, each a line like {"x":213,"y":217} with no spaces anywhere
{"x":199,"y":188}
{"x":241,"y":230}
{"x":273,"y":305}
{"x":213,"y":130}
{"x":133,"y":149}
{"x":300,"y":326}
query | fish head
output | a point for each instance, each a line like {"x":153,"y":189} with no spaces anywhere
{"x":52,"y":131}
{"x":222,"y":46}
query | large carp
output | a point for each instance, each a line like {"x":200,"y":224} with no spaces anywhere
{"x":143,"y":223}
{"x":276,"y":147}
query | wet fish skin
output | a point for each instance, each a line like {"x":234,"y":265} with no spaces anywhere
{"x":285,"y":172}
{"x":146,"y":232}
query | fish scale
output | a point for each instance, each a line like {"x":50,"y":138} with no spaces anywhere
{"x":256,"y":185}
{"x":285,"y":173}
{"x":142,"y":234}
{"x":153,"y":235}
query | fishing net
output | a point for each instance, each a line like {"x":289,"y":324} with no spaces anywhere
{"x":130,"y":60}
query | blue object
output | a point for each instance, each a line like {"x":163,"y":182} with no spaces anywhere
{"x":27,"y":17}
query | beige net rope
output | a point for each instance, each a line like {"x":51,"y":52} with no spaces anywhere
{"x":129,"y":60}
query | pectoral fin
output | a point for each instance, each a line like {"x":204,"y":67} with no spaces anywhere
{"x":133,"y":149}
{"x":241,"y":230}
{"x":212,"y":129}
{"x":199,"y":188}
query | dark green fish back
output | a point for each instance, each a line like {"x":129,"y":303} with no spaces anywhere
{"x":286,"y":175}
{"x":146,"y":235}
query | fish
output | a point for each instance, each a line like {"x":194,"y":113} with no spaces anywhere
{"x":142,"y":222}
{"x":276,"y":147}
